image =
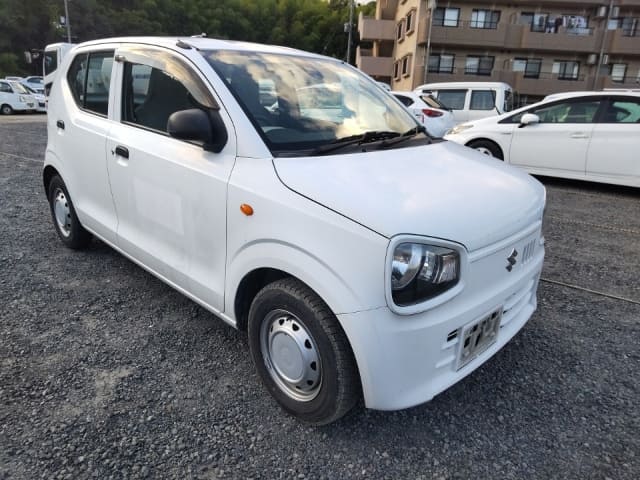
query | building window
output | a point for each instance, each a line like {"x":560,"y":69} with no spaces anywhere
{"x":618,"y":72}
{"x":406,"y":66}
{"x":529,"y":66}
{"x":630,"y":26}
{"x":441,"y":63}
{"x":396,"y":71}
{"x":566,"y":70}
{"x":537,"y":21}
{"x":485,"y":18}
{"x":446,"y":17}
{"x":410,"y":21}
{"x":478,"y":65}
{"x":400,"y":31}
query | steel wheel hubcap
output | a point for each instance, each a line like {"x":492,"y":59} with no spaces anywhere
{"x":62,"y":212}
{"x":485,"y":151}
{"x":291,"y":355}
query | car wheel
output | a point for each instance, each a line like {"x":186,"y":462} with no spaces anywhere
{"x":6,"y":109}
{"x":487,"y":147}
{"x":69,"y":229}
{"x":301,"y":353}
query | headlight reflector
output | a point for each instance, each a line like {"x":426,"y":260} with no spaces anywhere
{"x":460,"y":128}
{"x":420,"y":272}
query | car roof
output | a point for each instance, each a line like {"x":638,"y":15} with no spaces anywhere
{"x":606,"y":93}
{"x":463,"y":85}
{"x":202,"y":43}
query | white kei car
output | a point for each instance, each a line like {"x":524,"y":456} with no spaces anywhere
{"x":435,"y":117}
{"x":362,"y":257}
{"x":592,"y":136}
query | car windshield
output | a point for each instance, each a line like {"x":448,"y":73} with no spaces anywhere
{"x":300,"y":103}
{"x":19,"y":88}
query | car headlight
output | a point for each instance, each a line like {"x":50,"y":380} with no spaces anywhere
{"x":420,"y":272}
{"x":23,"y":99}
{"x":460,"y":128}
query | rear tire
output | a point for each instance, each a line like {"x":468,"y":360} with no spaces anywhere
{"x":487,"y":147}
{"x":65,"y":220}
{"x":301,"y":353}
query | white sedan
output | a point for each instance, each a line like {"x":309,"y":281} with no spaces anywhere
{"x":581,"y":135}
{"x":435,"y":117}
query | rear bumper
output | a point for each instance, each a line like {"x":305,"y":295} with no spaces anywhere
{"x":405,"y":360}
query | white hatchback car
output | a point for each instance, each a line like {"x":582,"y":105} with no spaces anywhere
{"x":361,"y":256}
{"x":14,"y":97}
{"x":435,"y":117}
{"x":591,"y":136}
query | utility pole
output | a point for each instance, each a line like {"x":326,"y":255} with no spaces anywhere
{"x":431,"y":5}
{"x":66,"y":20}
{"x":350,"y":38}
{"x":602,"y":45}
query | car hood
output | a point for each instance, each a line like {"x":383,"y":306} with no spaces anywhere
{"x":442,"y":190}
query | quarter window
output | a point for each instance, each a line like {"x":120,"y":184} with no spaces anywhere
{"x":482,"y":100}
{"x":89,"y":79}
{"x":5,"y":87}
{"x":453,"y":99}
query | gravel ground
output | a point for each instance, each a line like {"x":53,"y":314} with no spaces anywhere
{"x":108,"y":373}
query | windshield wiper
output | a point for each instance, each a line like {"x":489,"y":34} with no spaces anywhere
{"x":405,"y":136}
{"x":366,"y":137}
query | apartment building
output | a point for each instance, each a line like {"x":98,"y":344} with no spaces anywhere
{"x":537,"y":46}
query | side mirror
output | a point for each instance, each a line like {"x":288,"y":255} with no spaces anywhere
{"x":200,"y":126}
{"x":529,"y":119}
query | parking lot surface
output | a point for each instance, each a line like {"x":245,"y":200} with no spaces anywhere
{"x":105,"y":372}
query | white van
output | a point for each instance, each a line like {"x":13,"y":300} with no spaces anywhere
{"x":14,"y":97}
{"x":354,"y":265}
{"x":472,"y":100}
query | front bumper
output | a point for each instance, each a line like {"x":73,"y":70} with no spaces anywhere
{"x":405,"y":360}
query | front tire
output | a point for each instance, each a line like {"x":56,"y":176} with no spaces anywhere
{"x":487,"y":147}
{"x":65,"y":220}
{"x":6,"y":109}
{"x":301,"y":353}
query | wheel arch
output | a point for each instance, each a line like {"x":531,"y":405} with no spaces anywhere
{"x":497,"y":145}
{"x":48,"y":173}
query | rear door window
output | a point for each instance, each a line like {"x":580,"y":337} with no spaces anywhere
{"x":622,"y":111}
{"x":89,"y":79}
{"x":482,"y":100}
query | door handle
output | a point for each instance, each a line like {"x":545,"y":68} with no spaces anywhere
{"x":579,"y":135}
{"x":122,"y":151}
{"x":60,"y":124}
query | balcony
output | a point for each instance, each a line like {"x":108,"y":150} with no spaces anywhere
{"x":513,"y":36}
{"x":371,"y":29}
{"x":622,"y":44}
{"x":466,"y":35}
{"x":374,"y":66}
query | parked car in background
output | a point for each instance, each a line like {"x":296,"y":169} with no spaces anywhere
{"x":35,"y":83}
{"x":581,"y":135}
{"x":330,"y":228}
{"x":471,"y":100}
{"x":13,"y":79}
{"x":14,"y":97}
{"x":53,"y":55}
{"x":41,"y":100}
{"x":435,"y":117}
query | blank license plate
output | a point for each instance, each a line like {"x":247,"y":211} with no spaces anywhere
{"x":478,"y":336}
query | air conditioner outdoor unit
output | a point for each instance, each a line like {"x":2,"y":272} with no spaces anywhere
{"x":592,"y":59}
{"x":601,"y":11}
{"x":615,"y":12}
{"x":605,"y":59}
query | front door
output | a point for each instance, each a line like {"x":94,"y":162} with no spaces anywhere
{"x":170,"y":195}
{"x":561,"y":139}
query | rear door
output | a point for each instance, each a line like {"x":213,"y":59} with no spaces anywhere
{"x":614,"y":151}
{"x":456,"y":100}
{"x":170,"y":194}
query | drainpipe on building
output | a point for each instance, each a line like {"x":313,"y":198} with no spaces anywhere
{"x":602,"y":45}
{"x":350,"y":31}
{"x":431,"y":5}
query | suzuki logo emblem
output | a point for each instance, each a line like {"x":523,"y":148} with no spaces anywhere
{"x":512,"y":260}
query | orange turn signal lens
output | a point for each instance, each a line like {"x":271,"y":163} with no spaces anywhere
{"x":246,"y":209}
